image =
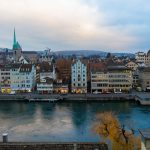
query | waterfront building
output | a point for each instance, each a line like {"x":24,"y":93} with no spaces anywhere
{"x":45,"y":77}
{"x":64,"y":70}
{"x":5,"y":80}
{"x":99,"y":81}
{"x":15,"y":77}
{"x":78,"y":77}
{"x":60,"y":87}
{"x":112,"y":79}
{"x":46,"y":70}
{"x":144,"y":78}
{"x":45,"y":85}
{"x":23,"y":77}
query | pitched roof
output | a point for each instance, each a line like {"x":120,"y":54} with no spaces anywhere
{"x":26,"y":68}
{"x":30,"y":52}
{"x":45,"y":67}
{"x":113,"y":68}
{"x":15,"y":66}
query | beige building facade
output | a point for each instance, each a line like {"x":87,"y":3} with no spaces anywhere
{"x":114,"y":79}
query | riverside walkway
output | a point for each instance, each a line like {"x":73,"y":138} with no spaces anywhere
{"x":66,"y":97}
{"x":142,"y":98}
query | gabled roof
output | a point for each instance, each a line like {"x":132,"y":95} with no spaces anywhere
{"x":30,"y":52}
{"x":26,"y":68}
{"x":82,"y":61}
{"x":45,"y":67}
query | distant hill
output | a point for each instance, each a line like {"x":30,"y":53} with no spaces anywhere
{"x":85,"y":53}
{"x":5,"y":49}
{"x":91,"y":52}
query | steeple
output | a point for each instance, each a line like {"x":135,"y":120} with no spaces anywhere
{"x":14,"y":37}
{"x":16,"y":44}
{"x":17,"y":50}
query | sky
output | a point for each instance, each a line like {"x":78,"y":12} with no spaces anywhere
{"x":108,"y":25}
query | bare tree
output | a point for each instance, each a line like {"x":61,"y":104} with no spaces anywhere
{"x":122,"y":138}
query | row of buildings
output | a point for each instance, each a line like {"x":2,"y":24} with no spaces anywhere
{"x":21,"y":72}
{"x":43,"y":78}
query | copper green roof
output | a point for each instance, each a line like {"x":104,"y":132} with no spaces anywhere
{"x":16,"y":45}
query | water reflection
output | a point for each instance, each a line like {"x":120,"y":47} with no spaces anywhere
{"x":64,"y":121}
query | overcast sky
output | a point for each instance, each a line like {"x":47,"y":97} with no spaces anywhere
{"x":109,"y":25}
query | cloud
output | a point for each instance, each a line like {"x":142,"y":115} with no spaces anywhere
{"x":75,"y":24}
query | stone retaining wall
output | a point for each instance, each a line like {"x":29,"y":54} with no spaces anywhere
{"x":53,"y":146}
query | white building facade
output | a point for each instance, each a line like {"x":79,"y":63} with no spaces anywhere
{"x":45,"y":77}
{"x":78,"y":77}
{"x":23,"y":78}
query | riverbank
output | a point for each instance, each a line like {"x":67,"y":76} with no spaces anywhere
{"x":66,"y":97}
{"x":53,"y":146}
{"x":139,"y":97}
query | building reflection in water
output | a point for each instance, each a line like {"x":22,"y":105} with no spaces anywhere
{"x":63,"y":121}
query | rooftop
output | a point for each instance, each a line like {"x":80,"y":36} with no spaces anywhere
{"x":26,"y":68}
{"x":111,"y":68}
{"x":144,"y":69}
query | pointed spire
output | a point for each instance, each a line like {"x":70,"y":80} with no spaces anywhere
{"x":14,"y":37}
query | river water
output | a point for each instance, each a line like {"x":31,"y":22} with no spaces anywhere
{"x":64,"y":122}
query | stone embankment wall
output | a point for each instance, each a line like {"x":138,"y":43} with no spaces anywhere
{"x":54,"y":146}
{"x":69,"y":97}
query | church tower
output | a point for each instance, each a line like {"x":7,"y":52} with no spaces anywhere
{"x":17,"y":50}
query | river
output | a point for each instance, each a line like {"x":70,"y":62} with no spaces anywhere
{"x":64,"y":122}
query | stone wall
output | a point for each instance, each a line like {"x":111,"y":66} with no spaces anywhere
{"x":53,"y":146}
